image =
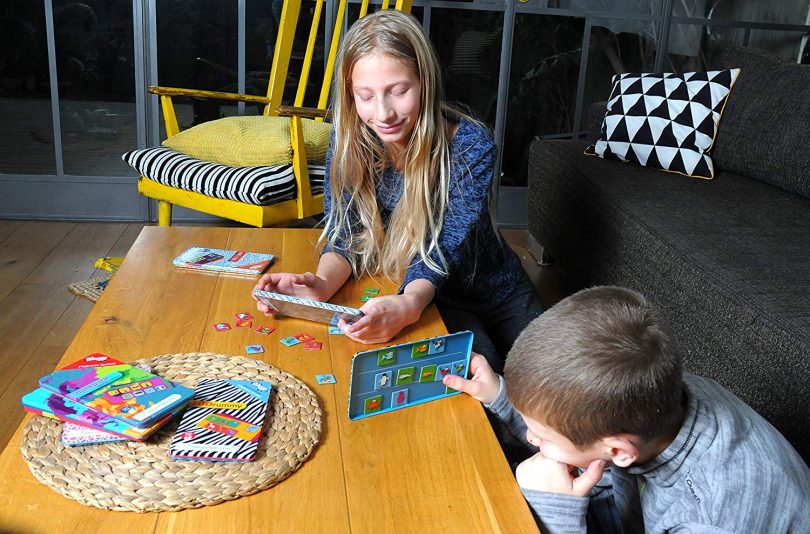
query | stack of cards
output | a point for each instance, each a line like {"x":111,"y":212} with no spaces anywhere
{"x":224,"y":261}
{"x":224,"y":421}
{"x":105,"y":394}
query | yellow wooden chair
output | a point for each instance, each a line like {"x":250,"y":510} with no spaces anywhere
{"x":305,"y":204}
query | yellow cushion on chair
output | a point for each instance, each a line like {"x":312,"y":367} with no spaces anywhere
{"x":251,"y":141}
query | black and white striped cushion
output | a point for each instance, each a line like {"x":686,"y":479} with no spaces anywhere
{"x":253,"y":185}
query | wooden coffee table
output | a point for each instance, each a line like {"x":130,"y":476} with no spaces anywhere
{"x":435,"y":467}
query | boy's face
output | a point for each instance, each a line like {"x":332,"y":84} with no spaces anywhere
{"x":557,"y":447}
{"x":387,"y":97}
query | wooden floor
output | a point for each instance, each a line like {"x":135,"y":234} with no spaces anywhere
{"x":40,"y":316}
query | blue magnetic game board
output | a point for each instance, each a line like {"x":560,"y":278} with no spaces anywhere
{"x":400,"y":376}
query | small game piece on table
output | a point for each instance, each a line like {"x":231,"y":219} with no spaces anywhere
{"x":372,"y":291}
{"x":254,"y":349}
{"x":290,"y":341}
{"x":265,"y":330}
{"x":313,"y":345}
{"x":304,"y":337}
{"x":334,"y":330}
{"x":244,"y":323}
{"x":219,"y":327}
{"x":366,"y":298}
{"x":242,"y":316}
{"x":325,"y":379}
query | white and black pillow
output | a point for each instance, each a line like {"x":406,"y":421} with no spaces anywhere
{"x":667,"y":121}
{"x":253,"y":185}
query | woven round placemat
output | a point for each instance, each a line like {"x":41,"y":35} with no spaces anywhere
{"x":91,"y":289}
{"x":140,"y":476}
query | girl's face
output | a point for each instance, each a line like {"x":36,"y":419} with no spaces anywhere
{"x":386,"y":96}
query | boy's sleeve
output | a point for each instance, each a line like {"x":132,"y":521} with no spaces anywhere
{"x":558,"y":514}
{"x":511,"y":419}
{"x":467,"y":199}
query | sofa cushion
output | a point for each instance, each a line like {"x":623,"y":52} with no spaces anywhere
{"x":766,"y":125}
{"x":727,"y":260}
{"x":253,"y":185}
{"x":666,"y":121}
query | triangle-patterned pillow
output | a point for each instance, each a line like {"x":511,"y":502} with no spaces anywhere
{"x":667,"y":121}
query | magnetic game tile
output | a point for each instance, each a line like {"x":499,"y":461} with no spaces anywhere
{"x":382,"y":380}
{"x":372,"y":404}
{"x":244,"y":323}
{"x":304,"y":337}
{"x":459,"y":368}
{"x":243,"y":316}
{"x":399,"y":397}
{"x":420,"y":350}
{"x":221,"y":327}
{"x":366,"y":298}
{"x":325,"y":379}
{"x":372,"y":291}
{"x":442,"y":371}
{"x":387,"y":357}
{"x":265,"y":330}
{"x":405,"y":376}
{"x":334,"y":330}
{"x":254,"y":349}
{"x":427,"y":373}
{"x":313,"y":345}
{"x":436,"y":346}
{"x":290,"y":341}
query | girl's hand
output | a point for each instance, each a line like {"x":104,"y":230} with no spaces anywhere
{"x":539,"y":473}
{"x":384,"y":318}
{"x":484,"y":385}
{"x":305,"y":285}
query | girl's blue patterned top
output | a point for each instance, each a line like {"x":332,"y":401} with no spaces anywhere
{"x":483,"y":270}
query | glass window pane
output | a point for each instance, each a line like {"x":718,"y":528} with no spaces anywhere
{"x":94,"y":62}
{"x":630,"y":7}
{"x":776,"y":11}
{"x":616,"y":46}
{"x":715,"y":39}
{"x":546,"y":54}
{"x":25,"y":102}
{"x":198,"y":49}
{"x":468,"y":44}
{"x":784,"y":44}
{"x":261,"y":29}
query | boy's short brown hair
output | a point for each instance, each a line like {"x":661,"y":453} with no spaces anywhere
{"x":601,"y":362}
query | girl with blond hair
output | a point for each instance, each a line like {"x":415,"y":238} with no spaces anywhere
{"x":406,"y":196}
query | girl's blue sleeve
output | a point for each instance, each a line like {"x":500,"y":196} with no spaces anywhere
{"x":467,"y":201}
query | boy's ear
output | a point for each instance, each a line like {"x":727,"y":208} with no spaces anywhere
{"x":622,"y":449}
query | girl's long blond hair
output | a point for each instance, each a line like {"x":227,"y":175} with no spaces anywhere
{"x":359,"y":156}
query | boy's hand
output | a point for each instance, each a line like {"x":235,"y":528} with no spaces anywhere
{"x":544,"y":474}
{"x":305,"y":285}
{"x":484,"y":384}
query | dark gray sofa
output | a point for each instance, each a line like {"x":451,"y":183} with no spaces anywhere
{"x":728,"y":260}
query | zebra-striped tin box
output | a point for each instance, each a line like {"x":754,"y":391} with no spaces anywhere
{"x":223,"y":421}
